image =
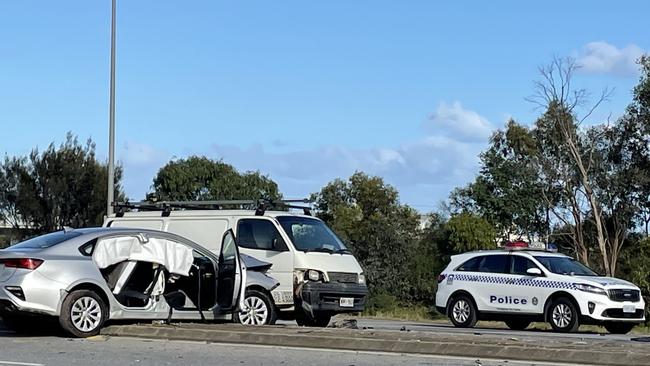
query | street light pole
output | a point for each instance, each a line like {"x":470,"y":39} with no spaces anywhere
{"x":111,"y":121}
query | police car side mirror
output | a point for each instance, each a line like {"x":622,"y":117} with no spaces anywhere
{"x":534,"y":271}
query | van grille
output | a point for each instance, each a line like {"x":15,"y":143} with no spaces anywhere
{"x":343,"y":277}
{"x":618,"y":313}
{"x":621,"y":295}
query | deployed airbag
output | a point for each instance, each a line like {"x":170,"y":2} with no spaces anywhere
{"x":176,"y":257}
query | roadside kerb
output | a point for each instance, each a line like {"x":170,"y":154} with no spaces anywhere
{"x":467,"y":345}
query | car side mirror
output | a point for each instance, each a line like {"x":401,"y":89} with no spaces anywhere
{"x":278,"y":244}
{"x":534,"y":272}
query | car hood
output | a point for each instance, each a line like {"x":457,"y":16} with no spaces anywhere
{"x":326,"y":262}
{"x":607,"y":282}
{"x":254,"y":264}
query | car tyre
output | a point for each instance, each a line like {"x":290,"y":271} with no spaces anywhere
{"x":320,"y":320}
{"x":619,"y":328}
{"x":517,"y":324}
{"x":563,"y":316}
{"x":462,"y":312}
{"x":83,"y":313}
{"x":261,"y":309}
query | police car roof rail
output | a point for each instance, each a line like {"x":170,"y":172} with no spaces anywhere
{"x":260,"y":206}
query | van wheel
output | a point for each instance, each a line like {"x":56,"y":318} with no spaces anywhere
{"x":517,"y":324}
{"x":563,"y":316}
{"x":619,"y":328}
{"x":83,"y":313}
{"x":462,"y":312}
{"x":321,"y":320}
{"x":261,"y":310}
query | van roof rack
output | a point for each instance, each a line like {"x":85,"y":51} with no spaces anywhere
{"x":260,"y":206}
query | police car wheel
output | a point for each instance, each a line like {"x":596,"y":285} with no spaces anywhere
{"x":563,"y":316}
{"x":619,"y":328}
{"x":517,"y":324}
{"x":462,"y":312}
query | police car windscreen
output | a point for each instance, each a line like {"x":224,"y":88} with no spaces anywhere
{"x":565,"y":266}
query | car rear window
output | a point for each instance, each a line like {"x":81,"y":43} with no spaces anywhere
{"x":46,"y":241}
{"x":470,"y":265}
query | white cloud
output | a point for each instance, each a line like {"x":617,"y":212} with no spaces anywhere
{"x":463,"y":124}
{"x":424,"y":170}
{"x":604,"y":58}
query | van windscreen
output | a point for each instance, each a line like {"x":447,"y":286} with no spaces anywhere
{"x":311,"y":235}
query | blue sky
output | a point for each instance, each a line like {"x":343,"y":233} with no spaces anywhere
{"x":303,"y":91}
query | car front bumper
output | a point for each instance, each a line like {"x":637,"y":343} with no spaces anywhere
{"x":326,"y":297}
{"x":601,"y":309}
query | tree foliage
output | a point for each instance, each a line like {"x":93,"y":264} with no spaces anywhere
{"x":469,"y":232}
{"x":506,"y":191}
{"x":199,"y":178}
{"x":64,"y":186}
{"x":382,"y":233}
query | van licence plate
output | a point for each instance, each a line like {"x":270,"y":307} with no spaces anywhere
{"x":346,"y":302}
{"x":629,"y":309}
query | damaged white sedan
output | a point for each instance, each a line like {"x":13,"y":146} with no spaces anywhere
{"x":88,"y":276}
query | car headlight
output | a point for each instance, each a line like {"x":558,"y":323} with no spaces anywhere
{"x":590,"y":289}
{"x":313,"y":275}
{"x":362,"y":279}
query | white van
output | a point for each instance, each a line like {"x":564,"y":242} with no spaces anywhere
{"x":318,"y":275}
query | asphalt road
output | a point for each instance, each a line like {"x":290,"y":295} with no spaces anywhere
{"x":52,"y":350}
{"x":56,"y":349}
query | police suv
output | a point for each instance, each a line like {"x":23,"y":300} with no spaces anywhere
{"x":520,"y":286}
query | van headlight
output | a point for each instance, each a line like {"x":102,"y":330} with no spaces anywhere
{"x":314,"y":275}
{"x":590,"y":289}
{"x":362,"y":279}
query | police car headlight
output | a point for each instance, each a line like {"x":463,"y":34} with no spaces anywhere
{"x":362,"y":279}
{"x":590,"y":289}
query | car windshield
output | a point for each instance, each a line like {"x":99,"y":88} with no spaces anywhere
{"x":46,"y":241}
{"x":311,"y":235}
{"x":565,"y":266}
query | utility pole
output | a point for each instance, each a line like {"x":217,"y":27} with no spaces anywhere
{"x":111,"y":121}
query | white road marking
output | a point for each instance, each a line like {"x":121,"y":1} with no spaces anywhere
{"x":20,"y":363}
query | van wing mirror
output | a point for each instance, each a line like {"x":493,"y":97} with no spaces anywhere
{"x":279,"y":245}
{"x":534,"y":272}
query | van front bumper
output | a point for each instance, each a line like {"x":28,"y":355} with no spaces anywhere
{"x":326,"y":297}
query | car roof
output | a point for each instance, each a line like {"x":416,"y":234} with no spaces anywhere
{"x":518,"y":251}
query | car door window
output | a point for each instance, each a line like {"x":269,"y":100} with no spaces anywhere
{"x":258,"y":234}
{"x":519,"y":265}
{"x":494,"y":264}
{"x":470,"y":265}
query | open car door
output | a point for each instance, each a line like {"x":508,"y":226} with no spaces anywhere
{"x":135,"y":268}
{"x":231,"y":274}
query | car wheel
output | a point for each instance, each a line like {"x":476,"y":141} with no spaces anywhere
{"x":563,"y":316}
{"x":83,"y":313}
{"x":261,"y":310}
{"x":462,"y":312}
{"x":320,"y":320}
{"x":517,"y":324}
{"x":619,"y":328}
